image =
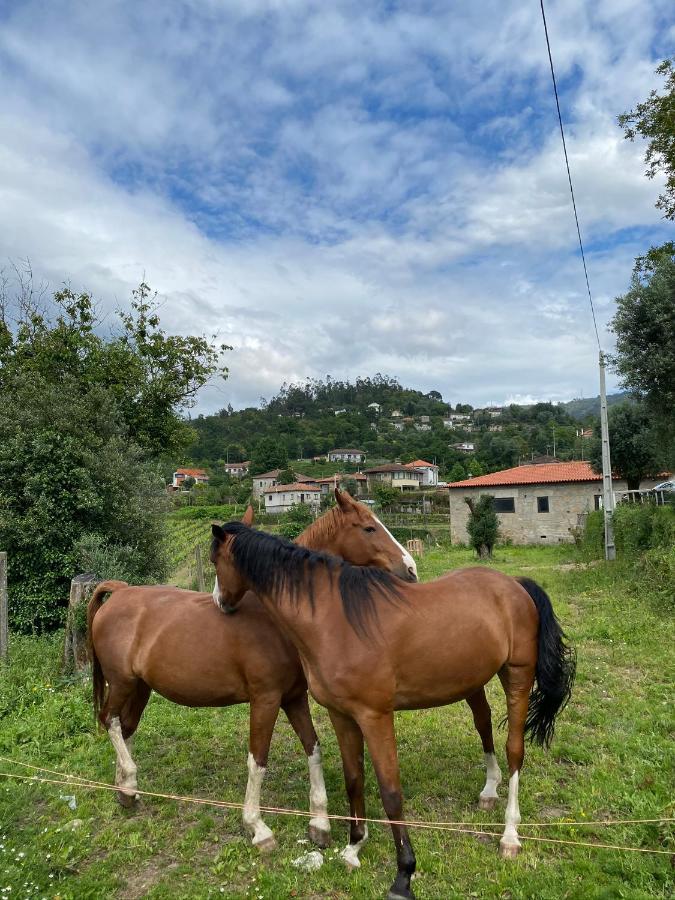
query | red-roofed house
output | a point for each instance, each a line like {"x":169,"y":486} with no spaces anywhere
{"x":429,"y":471}
{"x":198,"y":475}
{"x":536,"y":504}
{"x":282,"y":496}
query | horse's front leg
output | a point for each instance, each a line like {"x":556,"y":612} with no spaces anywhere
{"x":482,"y":719}
{"x":350,"y":740}
{"x":263,"y":716}
{"x":300,"y":718}
{"x":380,"y":736}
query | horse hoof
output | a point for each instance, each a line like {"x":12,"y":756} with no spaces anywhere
{"x":397,"y":895}
{"x":268,"y":845}
{"x":509,"y":851}
{"x":127,"y":801}
{"x":487,"y":803}
{"x":319,"y":837}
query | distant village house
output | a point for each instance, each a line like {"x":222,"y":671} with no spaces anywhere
{"x":396,"y":475}
{"x":237,"y":469}
{"x":282,"y":497}
{"x":341,"y":455}
{"x":536,"y":504}
{"x":180,"y":476}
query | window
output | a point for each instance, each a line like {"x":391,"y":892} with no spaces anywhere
{"x":542,"y":504}
{"x":597,"y":501}
{"x":270,"y":498}
{"x":504,"y":504}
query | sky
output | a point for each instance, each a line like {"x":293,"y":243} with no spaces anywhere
{"x":338,"y":188}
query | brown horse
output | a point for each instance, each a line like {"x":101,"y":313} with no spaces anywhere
{"x":371,"y":644}
{"x":181,"y":645}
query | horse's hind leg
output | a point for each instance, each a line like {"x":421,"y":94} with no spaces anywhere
{"x":129,"y":718}
{"x":517,"y":682}
{"x":482,"y":719}
{"x":300,"y":718}
{"x":263,"y":716}
{"x":121,"y":697}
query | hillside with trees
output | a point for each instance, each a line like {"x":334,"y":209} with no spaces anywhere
{"x":387,"y":421}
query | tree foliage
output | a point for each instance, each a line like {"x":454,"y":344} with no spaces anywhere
{"x":654,"y":120}
{"x":294,"y":521}
{"x":84,"y":419}
{"x":633,"y":444}
{"x":268,"y":454}
{"x":644,"y":325}
{"x":483,"y":524}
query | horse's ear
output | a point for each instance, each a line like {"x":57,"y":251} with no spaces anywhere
{"x":344,"y":499}
{"x":218,"y":533}
{"x":247,"y":518}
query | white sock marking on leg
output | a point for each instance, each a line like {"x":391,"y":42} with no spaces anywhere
{"x":318,"y":799}
{"x":510,"y":836}
{"x":493,"y":777}
{"x":125,"y":772}
{"x":350,"y":854}
{"x":251,"y":814}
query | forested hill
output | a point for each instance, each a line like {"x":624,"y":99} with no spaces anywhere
{"x":387,"y":421}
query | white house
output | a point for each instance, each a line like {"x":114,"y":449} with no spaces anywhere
{"x":374,"y":406}
{"x":198,"y":475}
{"x":395,"y":475}
{"x":464,"y":446}
{"x":350,"y":455}
{"x":281,"y":497}
{"x":429,"y":472}
{"x":237,"y":469}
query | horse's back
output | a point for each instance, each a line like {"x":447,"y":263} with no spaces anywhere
{"x":189,"y":651}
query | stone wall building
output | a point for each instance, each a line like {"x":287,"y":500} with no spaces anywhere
{"x":281,"y":497}
{"x":536,"y":504}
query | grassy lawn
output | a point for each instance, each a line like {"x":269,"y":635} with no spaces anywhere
{"x":612,"y":758}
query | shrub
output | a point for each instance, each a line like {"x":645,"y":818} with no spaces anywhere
{"x":638,"y":528}
{"x":483,"y":524}
{"x":294,"y":522}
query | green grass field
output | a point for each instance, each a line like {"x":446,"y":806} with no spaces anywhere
{"x":612,"y":758}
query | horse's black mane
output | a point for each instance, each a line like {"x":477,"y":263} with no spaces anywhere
{"x":272,"y":565}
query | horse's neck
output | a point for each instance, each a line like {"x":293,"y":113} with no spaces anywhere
{"x":320,"y":535}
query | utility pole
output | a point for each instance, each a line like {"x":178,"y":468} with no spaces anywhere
{"x":607,"y":489}
{"x":553,"y":427}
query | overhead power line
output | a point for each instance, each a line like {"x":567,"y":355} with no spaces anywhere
{"x":569,"y":174}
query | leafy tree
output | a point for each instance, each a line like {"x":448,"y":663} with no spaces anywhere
{"x":644,"y":325}
{"x":84,"y":420}
{"x":268,"y":454}
{"x":483,"y":524}
{"x":295,"y":520}
{"x":654,"y":120}
{"x":633,"y":445}
{"x":286,"y":476}
{"x":74,"y":488}
{"x":386,"y":495}
{"x":457,"y":473}
{"x":474,"y":468}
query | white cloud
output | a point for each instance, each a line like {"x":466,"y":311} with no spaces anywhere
{"x":336,"y":188}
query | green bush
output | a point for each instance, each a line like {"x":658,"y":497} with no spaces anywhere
{"x":638,"y":528}
{"x":294,"y":522}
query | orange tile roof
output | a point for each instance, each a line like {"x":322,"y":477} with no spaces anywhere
{"x":192,"y":473}
{"x":421,"y":463}
{"x":547,"y":473}
{"x":296,"y":486}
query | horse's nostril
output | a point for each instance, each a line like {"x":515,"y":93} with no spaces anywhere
{"x":412,"y":573}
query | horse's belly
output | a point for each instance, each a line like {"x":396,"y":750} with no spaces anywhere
{"x":438,"y":686}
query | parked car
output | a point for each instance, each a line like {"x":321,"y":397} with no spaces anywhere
{"x":665,"y":486}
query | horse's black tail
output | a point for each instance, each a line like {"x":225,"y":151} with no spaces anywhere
{"x":554,"y":675}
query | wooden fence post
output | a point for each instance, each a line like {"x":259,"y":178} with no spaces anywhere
{"x":4,"y":630}
{"x":75,"y":645}
{"x":200,"y":568}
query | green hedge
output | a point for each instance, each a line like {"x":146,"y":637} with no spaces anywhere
{"x":638,"y":528}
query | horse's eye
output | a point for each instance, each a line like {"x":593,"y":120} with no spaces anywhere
{"x":370,"y":529}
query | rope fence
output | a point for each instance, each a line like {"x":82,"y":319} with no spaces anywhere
{"x":459,"y":827}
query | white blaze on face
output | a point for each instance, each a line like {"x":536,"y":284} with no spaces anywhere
{"x":216,"y":593}
{"x":408,"y":561}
